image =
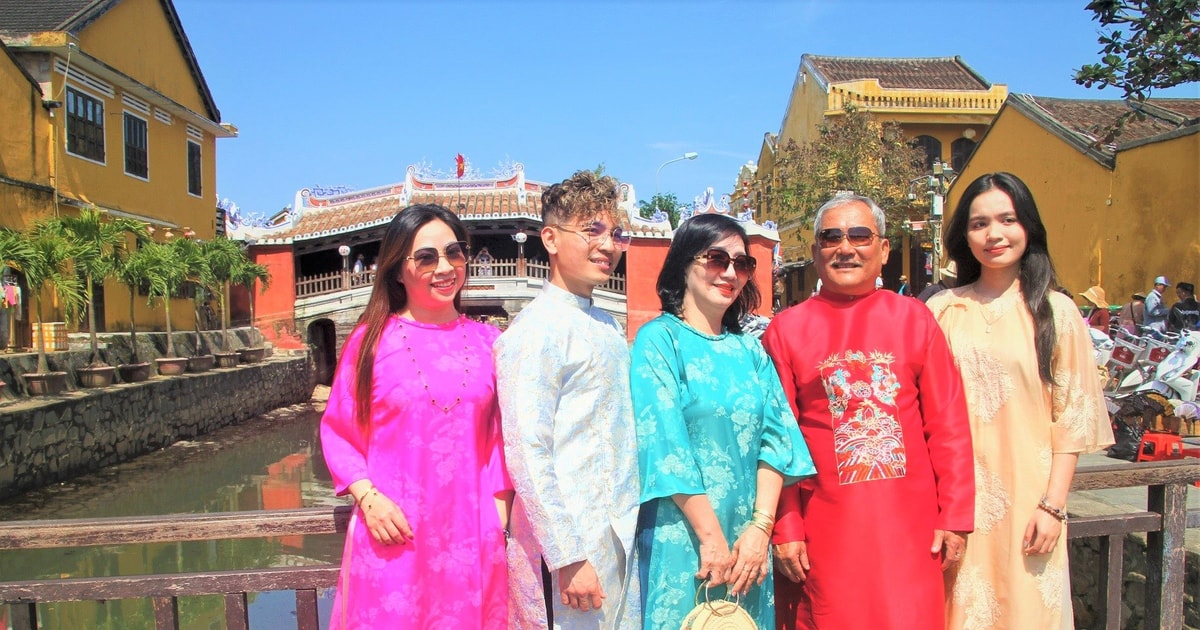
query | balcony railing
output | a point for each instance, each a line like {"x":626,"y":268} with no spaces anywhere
{"x":333,"y":282}
{"x":1164,"y":523}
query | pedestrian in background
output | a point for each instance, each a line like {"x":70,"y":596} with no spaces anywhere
{"x":716,"y":435}
{"x":947,"y":276}
{"x":1156,"y":308}
{"x":412,"y":431}
{"x":1035,"y":405}
{"x":1099,"y":318}
{"x":1133,"y":315}
{"x":1185,"y":313}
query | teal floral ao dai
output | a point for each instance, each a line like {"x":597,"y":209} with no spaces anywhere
{"x":708,"y":409}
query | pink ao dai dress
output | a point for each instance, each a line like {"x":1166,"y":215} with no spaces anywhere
{"x":441,"y":467}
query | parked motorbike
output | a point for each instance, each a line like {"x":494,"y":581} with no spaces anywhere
{"x":1174,"y":376}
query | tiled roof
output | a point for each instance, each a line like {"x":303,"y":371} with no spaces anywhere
{"x":35,"y":16}
{"x":318,"y":222}
{"x":921,"y":73}
{"x":1091,"y":118}
{"x":1186,"y":107}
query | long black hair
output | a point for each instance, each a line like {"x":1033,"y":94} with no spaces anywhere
{"x":1037,"y":270}
{"x":692,"y":239}
{"x":388,"y":295}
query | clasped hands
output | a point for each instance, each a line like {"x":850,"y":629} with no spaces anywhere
{"x":740,"y":568}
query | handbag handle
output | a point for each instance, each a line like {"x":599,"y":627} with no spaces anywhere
{"x":708,"y":602}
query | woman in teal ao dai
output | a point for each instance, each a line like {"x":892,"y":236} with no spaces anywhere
{"x":716,"y":437}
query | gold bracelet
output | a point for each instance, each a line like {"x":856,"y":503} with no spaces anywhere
{"x":769,"y":517}
{"x":369,"y":492}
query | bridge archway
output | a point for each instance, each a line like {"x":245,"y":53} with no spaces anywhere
{"x":322,"y":338}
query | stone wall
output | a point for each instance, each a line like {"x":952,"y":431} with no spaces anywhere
{"x":1087,"y":584}
{"x":48,"y":439}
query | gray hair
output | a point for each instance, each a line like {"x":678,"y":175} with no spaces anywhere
{"x":847,"y":198}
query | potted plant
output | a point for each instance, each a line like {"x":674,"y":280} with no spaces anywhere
{"x":101,"y":246}
{"x":165,"y":274}
{"x":44,"y":257}
{"x":193,"y":262}
{"x":224,"y":256}
{"x":135,"y":271}
{"x":247,"y":274}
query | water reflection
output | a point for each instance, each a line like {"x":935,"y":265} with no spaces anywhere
{"x":270,"y":462}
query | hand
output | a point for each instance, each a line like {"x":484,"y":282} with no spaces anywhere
{"x":750,"y":558}
{"x":715,"y":562}
{"x":792,"y":560}
{"x":1041,"y":534}
{"x":385,"y":520}
{"x":580,"y":586}
{"x":950,"y":544}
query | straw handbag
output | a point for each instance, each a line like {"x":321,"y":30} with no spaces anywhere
{"x":721,"y":614}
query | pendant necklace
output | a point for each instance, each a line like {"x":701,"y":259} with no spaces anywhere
{"x":992,"y":309}
{"x":424,"y":383}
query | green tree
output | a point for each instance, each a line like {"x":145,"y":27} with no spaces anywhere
{"x":193,"y":257}
{"x":165,"y":273}
{"x":43,"y":254}
{"x":1161,"y":48}
{"x":137,"y":270}
{"x":852,"y":152}
{"x":246,"y":274}
{"x":666,"y":202}
{"x":101,"y":245}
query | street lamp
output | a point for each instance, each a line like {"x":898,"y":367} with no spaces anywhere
{"x":344,"y":250}
{"x":520,"y":238}
{"x":690,"y":155}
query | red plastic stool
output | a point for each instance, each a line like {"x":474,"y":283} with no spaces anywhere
{"x":1159,"y":446}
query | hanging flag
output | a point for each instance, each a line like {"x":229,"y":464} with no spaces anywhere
{"x":462,"y":165}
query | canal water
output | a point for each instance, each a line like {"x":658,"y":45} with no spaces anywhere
{"x":269,"y":462}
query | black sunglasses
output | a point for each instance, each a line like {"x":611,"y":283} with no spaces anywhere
{"x":857,"y":235}
{"x":427,"y":257}
{"x":718,"y":261}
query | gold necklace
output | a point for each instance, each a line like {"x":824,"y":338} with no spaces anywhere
{"x":992,"y":309}
{"x":417,"y":366}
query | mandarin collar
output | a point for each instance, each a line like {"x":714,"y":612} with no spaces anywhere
{"x":562,"y":296}
{"x":842,"y":298}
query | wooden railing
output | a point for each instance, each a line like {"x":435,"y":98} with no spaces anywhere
{"x":1165,"y":521}
{"x":320,"y":284}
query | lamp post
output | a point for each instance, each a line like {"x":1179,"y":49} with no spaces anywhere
{"x":520,"y":238}
{"x":344,"y":250}
{"x":690,"y":155}
{"x":942,"y":177}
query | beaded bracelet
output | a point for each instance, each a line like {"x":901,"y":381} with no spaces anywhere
{"x":1060,"y":514}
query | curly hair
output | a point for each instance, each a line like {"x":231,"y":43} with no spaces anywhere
{"x":580,"y":197}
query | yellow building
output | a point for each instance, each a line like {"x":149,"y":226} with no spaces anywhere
{"x":940,"y":103}
{"x":103,"y":104}
{"x":1117,"y":214}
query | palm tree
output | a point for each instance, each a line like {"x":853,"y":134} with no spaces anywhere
{"x":165,"y":274}
{"x":193,"y":261}
{"x":44,"y":257}
{"x":101,"y":245}
{"x":136,"y":270}
{"x":247,"y":274}
{"x":224,"y":256}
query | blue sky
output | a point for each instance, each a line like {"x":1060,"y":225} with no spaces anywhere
{"x":346,"y":92}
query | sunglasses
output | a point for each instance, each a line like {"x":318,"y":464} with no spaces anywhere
{"x":857,"y":235}
{"x":427,"y":257}
{"x":595,"y":234}
{"x":718,"y":261}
